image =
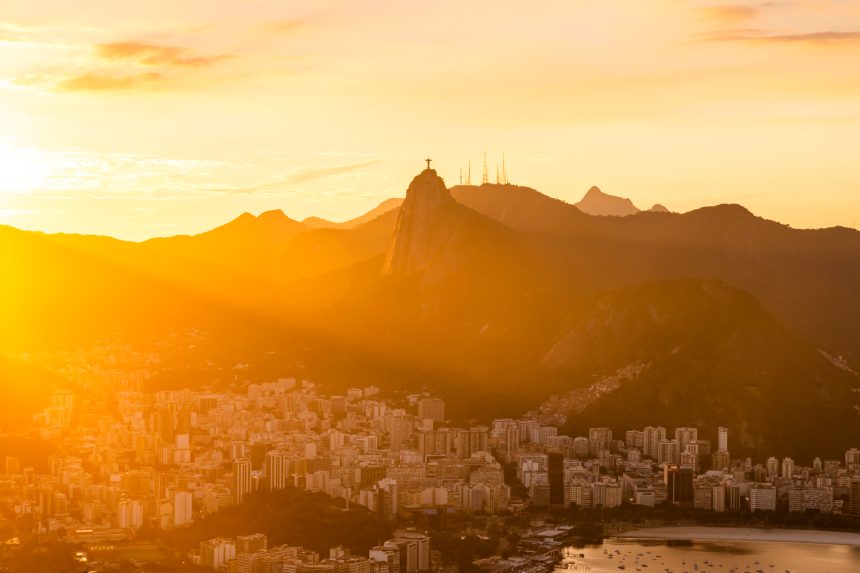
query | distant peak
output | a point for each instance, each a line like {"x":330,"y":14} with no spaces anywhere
{"x":658,"y":208}
{"x":596,"y":202}
{"x":319,"y":223}
{"x":273,"y":214}
{"x":274,"y":221}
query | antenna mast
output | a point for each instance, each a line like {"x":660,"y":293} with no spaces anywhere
{"x":484,"y":178}
{"x":504,"y":171}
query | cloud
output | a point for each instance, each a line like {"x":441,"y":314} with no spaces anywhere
{"x":815,"y":38}
{"x":729,"y":22}
{"x":92,"y":81}
{"x":10,"y":38}
{"x":287,"y":26}
{"x":319,"y":173}
{"x":9,"y":213}
{"x":11,"y":32}
{"x":297,"y":178}
{"x":15,"y":34}
{"x":127,"y":66}
{"x":155,"y":55}
{"x":733,"y":14}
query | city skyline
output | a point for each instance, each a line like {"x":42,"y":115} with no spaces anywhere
{"x":396,"y":457}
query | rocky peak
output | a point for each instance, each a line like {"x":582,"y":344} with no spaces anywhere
{"x":594,"y":193}
{"x":596,"y":202}
{"x":417,"y":232}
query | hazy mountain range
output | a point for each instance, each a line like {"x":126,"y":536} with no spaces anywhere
{"x":495,"y":297}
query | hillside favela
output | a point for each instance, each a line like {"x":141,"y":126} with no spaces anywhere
{"x":388,"y":287}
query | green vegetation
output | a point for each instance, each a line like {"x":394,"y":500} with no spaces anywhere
{"x":289,"y":516}
{"x":463,"y":538}
{"x":35,"y":557}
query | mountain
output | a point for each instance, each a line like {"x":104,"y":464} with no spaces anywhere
{"x":68,"y":290}
{"x":434,"y":233}
{"x":320,"y":223}
{"x":596,"y":202}
{"x":247,"y":240}
{"x":450,"y":290}
{"x":65,"y":290}
{"x":807,"y":278}
{"x":658,"y":208}
{"x":712,"y":356}
{"x":494,"y":297}
{"x":521,"y":208}
{"x":386,"y":206}
{"x":268,"y":227}
{"x":269,"y":250}
{"x":424,"y":225}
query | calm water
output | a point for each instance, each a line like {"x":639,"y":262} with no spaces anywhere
{"x":654,"y":556}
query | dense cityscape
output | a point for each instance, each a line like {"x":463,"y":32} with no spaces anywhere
{"x":162,"y":461}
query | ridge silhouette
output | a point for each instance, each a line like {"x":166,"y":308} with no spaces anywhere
{"x":491,"y":294}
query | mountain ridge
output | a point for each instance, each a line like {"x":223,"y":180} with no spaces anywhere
{"x":483,"y":294}
{"x":384,"y":207}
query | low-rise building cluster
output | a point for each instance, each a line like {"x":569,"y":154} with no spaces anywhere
{"x":407,"y":552}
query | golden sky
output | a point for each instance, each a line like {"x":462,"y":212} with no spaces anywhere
{"x":138,"y":119}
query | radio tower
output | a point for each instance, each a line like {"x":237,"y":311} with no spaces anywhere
{"x":497,"y":174}
{"x":461,"y":175}
{"x":469,"y":173}
{"x":504,"y":172}
{"x":484,"y":178}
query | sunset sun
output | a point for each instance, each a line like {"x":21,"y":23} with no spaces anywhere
{"x":23,"y":170}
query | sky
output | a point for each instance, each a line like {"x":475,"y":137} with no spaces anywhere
{"x":140,"y":119}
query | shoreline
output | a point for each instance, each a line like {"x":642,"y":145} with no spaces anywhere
{"x":764,"y":534}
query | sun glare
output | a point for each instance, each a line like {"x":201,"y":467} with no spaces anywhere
{"x":24,"y":169}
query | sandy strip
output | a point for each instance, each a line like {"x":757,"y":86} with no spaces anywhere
{"x":744,"y":534}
